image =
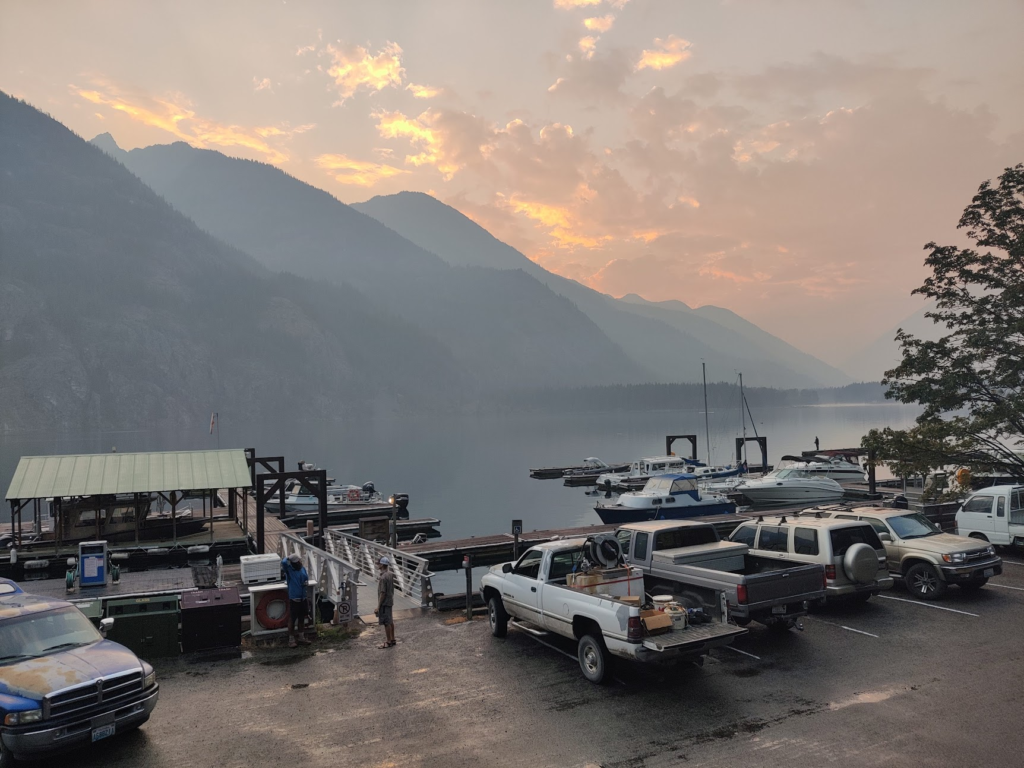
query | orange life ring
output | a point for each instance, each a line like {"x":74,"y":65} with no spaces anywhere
{"x":353,"y":494}
{"x":963,"y":476}
{"x":263,"y":607}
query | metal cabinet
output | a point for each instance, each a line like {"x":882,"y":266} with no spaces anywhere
{"x":211,"y":618}
{"x":146,"y":625}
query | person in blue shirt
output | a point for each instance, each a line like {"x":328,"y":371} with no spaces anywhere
{"x":297,"y":578}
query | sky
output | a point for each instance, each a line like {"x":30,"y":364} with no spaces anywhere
{"x":786,"y":159}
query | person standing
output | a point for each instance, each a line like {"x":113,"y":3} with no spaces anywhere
{"x":297,"y":578}
{"x":386,"y":602}
{"x":817,"y":445}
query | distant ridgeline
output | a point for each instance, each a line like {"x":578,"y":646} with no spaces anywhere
{"x":666,"y":397}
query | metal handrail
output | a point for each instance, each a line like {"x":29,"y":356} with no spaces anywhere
{"x":412,"y":575}
{"x":336,"y":579}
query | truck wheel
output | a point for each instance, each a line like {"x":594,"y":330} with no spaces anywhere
{"x":6,"y":758}
{"x":973,"y":585}
{"x":924,"y":582}
{"x":497,"y":617}
{"x":593,"y":659}
{"x":862,"y":597}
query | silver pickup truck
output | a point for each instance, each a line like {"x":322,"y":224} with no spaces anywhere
{"x":688,"y":559}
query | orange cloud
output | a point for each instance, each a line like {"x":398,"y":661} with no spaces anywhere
{"x":423,"y":91}
{"x":361,"y":173}
{"x":420,"y":131}
{"x":599,"y":24}
{"x":262,"y":84}
{"x":567,"y":5}
{"x":587,"y":46}
{"x":175,"y":116}
{"x":558,"y":221}
{"x":356,"y":68}
{"x":666,"y":53}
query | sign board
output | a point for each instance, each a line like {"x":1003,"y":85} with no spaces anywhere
{"x":517,"y":527}
{"x":375,"y":528}
{"x":92,"y":563}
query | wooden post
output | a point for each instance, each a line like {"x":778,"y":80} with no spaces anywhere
{"x":871,"y":472}
{"x":261,"y":501}
{"x":321,"y":498}
{"x":212,"y":492}
{"x":174,"y":517}
{"x":467,"y":564}
{"x":138,"y":515}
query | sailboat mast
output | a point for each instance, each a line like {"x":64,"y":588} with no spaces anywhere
{"x":743,"y":421}
{"x":707,"y":428}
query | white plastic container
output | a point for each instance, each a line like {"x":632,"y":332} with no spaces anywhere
{"x":260,"y":569}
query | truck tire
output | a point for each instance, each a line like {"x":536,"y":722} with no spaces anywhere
{"x":593,"y":659}
{"x":6,"y":758}
{"x":924,"y":582}
{"x":497,"y":617}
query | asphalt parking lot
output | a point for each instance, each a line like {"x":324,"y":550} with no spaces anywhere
{"x":895,"y":682}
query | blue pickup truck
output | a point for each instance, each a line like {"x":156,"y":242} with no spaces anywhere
{"x":62,"y":684}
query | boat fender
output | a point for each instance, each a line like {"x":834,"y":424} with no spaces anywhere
{"x":263,"y":615}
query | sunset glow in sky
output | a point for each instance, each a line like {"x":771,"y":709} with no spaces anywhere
{"x":785,"y":159}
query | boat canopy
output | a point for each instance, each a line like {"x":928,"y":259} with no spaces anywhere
{"x":671,"y":484}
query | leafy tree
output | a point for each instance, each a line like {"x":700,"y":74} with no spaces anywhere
{"x":969,"y":381}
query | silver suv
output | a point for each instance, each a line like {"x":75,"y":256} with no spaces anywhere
{"x":853,"y":555}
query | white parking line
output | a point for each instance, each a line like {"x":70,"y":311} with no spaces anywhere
{"x":929,"y":605}
{"x":842,"y":626}
{"x":1006,"y":586}
{"x":737,"y":650}
{"x":858,"y":631}
{"x":1011,"y":562}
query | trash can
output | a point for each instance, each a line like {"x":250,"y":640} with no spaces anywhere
{"x":211,"y":618}
{"x":146,"y":625}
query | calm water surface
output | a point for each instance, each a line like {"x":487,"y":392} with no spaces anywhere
{"x":473,"y":472}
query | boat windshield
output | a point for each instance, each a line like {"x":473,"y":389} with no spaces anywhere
{"x":914,"y":526}
{"x":783,"y":474}
{"x":658,"y":485}
{"x":37,"y":634}
{"x":684,"y":486}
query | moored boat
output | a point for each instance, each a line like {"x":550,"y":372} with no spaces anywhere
{"x":789,"y":486}
{"x":665,"y":497}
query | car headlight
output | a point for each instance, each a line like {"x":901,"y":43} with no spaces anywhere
{"x":21,"y":718}
{"x":956,"y":557}
{"x":150,"y":680}
{"x":990,"y":551}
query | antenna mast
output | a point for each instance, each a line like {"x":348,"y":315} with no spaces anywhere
{"x":743,"y":420}
{"x":707,"y":429}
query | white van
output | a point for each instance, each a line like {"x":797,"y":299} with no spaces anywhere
{"x":994,"y":514}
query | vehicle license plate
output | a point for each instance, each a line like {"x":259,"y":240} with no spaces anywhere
{"x":778,"y":609}
{"x":990,"y":572}
{"x":102,"y":732}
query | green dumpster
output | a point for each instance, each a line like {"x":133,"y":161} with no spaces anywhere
{"x":146,"y":625}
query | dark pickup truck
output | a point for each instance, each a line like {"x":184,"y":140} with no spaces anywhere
{"x":688,"y":559}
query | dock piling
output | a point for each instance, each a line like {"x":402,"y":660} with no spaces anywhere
{"x":469,"y":587}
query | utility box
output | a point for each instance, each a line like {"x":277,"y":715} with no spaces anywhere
{"x":92,"y":563}
{"x":268,"y":609}
{"x":146,"y":625}
{"x":260,"y":569}
{"x":211,"y":618}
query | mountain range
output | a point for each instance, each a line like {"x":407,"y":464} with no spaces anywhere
{"x":155,"y":285}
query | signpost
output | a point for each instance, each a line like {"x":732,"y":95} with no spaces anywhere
{"x":517,"y":530}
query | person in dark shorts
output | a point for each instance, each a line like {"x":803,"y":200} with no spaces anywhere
{"x":297,"y":578}
{"x":386,"y":602}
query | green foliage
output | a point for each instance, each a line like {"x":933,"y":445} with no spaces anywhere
{"x":970,"y":380}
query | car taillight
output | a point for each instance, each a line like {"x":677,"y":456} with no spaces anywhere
{"x":635,"y":629}
{"x":741,"y":594}
{"x":830,"y":573}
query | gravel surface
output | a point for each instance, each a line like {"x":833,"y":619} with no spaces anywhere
{"x":913,"y":686}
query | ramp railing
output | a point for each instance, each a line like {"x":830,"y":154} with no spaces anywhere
{"x":412,"y":576}
{"x":336,"y":579}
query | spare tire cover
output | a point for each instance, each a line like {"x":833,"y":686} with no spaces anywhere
{"x":860,"y":563}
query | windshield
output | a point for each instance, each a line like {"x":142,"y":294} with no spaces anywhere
{"x":41,"y":633}
{"x":913,"y":526}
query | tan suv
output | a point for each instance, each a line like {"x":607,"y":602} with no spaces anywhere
{"x":853,"y":556}
{"x":921,"y":554}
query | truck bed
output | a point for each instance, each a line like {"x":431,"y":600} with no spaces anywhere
{"x":699,"y":638}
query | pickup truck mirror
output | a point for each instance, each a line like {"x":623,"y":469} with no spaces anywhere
{"x":506,"y":568}
{"x":105,"y":625}
{"x":885,"y":537}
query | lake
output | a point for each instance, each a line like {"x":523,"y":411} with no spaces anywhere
{"x":472,"y":472}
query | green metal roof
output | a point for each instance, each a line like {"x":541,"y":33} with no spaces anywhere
{"x":43,"y":477}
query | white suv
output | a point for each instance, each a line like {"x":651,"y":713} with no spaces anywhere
{"x":853,"y":555}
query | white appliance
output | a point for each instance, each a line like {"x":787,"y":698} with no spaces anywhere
{"x":260,"y":569}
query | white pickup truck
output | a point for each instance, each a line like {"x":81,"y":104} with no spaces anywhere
{"x":533,"y":594}
{"x":688,"y":559}
{"x":994,"y":514}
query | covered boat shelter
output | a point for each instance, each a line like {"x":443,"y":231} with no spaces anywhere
{"x":98,"y":483}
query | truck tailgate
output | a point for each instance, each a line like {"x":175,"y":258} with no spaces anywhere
{"x":697,"y":638}
{"x":781,"y":586}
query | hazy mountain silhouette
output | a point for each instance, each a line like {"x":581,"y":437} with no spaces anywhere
{"x":505,"y":327}
{"x":883,"y":353}
{"x":667,"y":338}
{"x":116,"y":310}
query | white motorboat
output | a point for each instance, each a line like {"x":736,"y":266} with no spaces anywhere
{"x":838,"y":468}
{"x":300,"y":499}
{"x":644,"y":469}
{"x":789,"y":486}
{"x":665,"y":497}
